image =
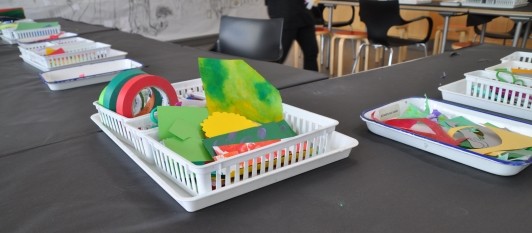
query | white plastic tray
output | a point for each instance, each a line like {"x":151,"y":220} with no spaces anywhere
{"x":505,"y":4}
{"x":87,"y":74}
{"x":461,"y":155}
{"x":339,"y":147}
{"x":113,"y":55}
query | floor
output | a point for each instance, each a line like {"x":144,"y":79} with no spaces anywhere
{"x":413,"y":52}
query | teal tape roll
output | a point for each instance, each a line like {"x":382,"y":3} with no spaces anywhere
{"x":115,"y":85}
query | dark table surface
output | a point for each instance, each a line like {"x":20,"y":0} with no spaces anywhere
{"x":77,"y":27}
{"x":179,"y":63}
{"x":87,"y":184}
{"x":34,"y":116}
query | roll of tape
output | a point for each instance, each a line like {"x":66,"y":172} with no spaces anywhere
{"x":126,"y":97}
{"x":150,"y":104}
{"x":100,"y":98}
{"x":115,"y":85}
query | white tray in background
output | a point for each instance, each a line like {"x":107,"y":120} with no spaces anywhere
{"x":414,"y":2}
{"x":8,"y":40}
{"x":458,"y":154}
{"x":456,"y":92}
{"x":504,"y":4}
{"x":46,"y":38}
{"x":113,"y":55}
{"x":86,"y":74}
{"x":511,"y":64}
{"x":518,"y":56}
{"x":339,"y":147}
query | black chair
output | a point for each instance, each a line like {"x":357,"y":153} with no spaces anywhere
{"x":258,"y":39}
{"x":479,"y":23}
{"x":317,"y":12}
{"x":379,"y":17}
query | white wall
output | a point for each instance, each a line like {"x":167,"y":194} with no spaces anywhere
{"x":159,"y":19}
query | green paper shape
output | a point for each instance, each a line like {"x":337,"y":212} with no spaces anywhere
{"x":522,"y":154}
{"x":234,"y":86}
{"x":30,"y":26}
{"x":191,"y":149}
{"x":167,"y":115}
{"x":268,"y":131}
{"x":413,"y":111}
{"x":183,"y":130}
{"x":17,"y":13}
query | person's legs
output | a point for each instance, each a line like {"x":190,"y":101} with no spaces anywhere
{"x":289,"y":35}
{"x":306,"y":38}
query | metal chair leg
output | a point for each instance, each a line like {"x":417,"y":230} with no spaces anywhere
{"x":424,"y":48}
{"x":390,"y":56}
{"x":363,"y":45}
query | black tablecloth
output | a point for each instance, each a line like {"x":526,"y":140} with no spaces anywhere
{"x":32,"y":115}
{"x":77,"y":27}
{"x":87,"y":184}
{"x":179,"y":63}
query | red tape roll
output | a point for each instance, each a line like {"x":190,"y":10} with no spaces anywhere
{"x":124,"y":103}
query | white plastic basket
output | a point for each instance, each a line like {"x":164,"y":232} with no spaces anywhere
{"x":480,"y":89}
{"x":509,"y":65}
{"x":508,"y":4}
{"x":480,"y":85}
{"x":518,"y":56}
{"x":74,"y":54}
{"x":35,"y":47}
{"x":314,"y":132}
{"x":8,"y":33}
{"x":40,"y":32}
{"x":131,"y":134}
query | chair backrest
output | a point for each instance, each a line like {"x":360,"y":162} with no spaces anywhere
{"x":477,"y":20}
{"x":258,"y":39}
{"x":379,"y":16}
{"x":318,"y":10}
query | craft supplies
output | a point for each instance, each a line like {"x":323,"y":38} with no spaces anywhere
{"x":453,"y":118}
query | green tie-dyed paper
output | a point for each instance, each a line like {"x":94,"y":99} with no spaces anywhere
{"x":234,"y":86}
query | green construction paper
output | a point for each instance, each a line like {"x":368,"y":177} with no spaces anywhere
{"x":168,"y":114}
{"x":234,"y":86}
{"x":29,"y":26}
{"x":268,"y":131}
{"x":9,"y":25}
{"x":413,"y":111}
{"x":191,"y":149}
{"x":183,"y":130}
{"x":462,"y":121}
{"x":14,"y":13}
{"x":516,"y":155}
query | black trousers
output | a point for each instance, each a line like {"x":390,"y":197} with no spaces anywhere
{"x":306,"y":38}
